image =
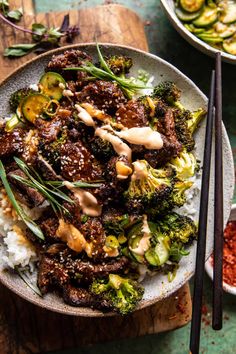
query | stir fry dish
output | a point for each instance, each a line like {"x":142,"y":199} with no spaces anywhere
{"x":93,"y":173}
{"x":213,"y":21}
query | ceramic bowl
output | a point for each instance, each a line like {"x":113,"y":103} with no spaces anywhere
{"x":169,"y":8}
{"x":157,"y":287}
{"x":208,"y":266}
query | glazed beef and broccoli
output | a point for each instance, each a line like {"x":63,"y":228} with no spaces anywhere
{"x":104,"y":171}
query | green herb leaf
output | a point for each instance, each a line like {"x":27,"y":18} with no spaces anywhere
{"x":19,"y":50}
{"x":28,"y":282}
{"x":15,"y":14}
{"x":79,"y":184}
{"x":30,"y":223}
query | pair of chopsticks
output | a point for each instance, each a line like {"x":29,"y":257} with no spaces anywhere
{"x":214,"y":106}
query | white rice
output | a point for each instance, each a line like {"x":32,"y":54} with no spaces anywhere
{"x":15,"y":249}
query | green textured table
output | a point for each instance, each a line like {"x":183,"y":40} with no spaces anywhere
{"x":167,"y":43}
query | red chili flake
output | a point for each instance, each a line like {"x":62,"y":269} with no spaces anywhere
{"x":204,"y":310}
{"x":229,"y":254}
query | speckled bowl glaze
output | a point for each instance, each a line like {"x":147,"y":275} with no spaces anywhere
{"x":169,"y":8}
{"x":156,"y":287}
{"x":208,"y":266}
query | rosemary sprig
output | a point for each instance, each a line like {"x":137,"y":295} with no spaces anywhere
{"x":128,"y":85}
{"x":27,"y":281}
{"x":35,"y":181}
{"x":30,"y":223}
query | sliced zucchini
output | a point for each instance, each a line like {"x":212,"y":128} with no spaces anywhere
{"x":50,"y":85}
{"x":151,"y":257}
{"x":191,"y":5}
{"x":207,"y":18}
{"x":187,"y":16}
{"x":210,"y":38}
{"x":229,"y":15}
{"x":227,"y":33}
{"x":34,"y":105}
{"x":158,"y":255}
{"x":230,"y":46}
{"x":133,"y":243}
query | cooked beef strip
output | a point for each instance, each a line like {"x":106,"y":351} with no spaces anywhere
{"x":49,"y":224}
{"x":11,"y":143}
{"x":32,"y":195}
{"x":70,"y":58}
{"x":171,"y":146}
{"x":82,"y":297}
{"x":46,"y":170}
{"x":77,"y":163}
{"x":49,"y":130}
{"x":93,"y":232}
{"x":105,"y":95}
{"x":132,"y":114}
{"x":51,"y":272}
{"x":89,"y":271}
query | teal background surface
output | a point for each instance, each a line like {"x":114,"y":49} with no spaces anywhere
{"x":167,"y":43}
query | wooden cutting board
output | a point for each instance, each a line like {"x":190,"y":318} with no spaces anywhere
{"x":25,"y":328}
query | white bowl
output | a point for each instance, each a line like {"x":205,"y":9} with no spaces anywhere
{"x":169,"y":8}
{"x":157,"y":287}
{"x":208,"y":266}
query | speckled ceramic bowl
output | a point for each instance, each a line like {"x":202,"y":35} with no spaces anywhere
{"x":208,"y":266}
{"x":169,"y":8}
{"x":156,"y":287}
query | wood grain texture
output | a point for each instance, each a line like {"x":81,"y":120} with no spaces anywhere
{"x":25,"y":328}
{"x":104,"y":23}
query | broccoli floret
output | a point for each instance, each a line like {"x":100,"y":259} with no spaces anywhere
{"x":195,"y":120}
{"x":175,"y":199}
{"x":119,"y":64}
{"x":148,"y":186}
{"x":178,"y":227}
{"x":101,"y":149}
{"x":122,"y":293}
{"x":167,"y":91}
{"x":185,"y":165}
{"x":186,"y":124}
{"x":17,"y":97}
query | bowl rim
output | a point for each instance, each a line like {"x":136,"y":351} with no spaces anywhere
{"x":208,"y":266}
{"x":193,"y":40}
{"x":77,"y":311}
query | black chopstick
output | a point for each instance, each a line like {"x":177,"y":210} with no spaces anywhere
{"x":218,"y":207}
{"x":201,"y":243}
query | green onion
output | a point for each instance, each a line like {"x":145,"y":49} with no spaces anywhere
{"x":30,"y":223}
{"x":27,"y":281}
{"x":128,"y":85}
{"x":79,"y":184}
{"x":12,"y":123}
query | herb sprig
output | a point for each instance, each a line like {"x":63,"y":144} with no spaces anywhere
{"x":28,"y":281}
{"x":14,"y":15}
{"x":128,"y":85}
{"x":43,"y":37}
{"x":30,"y":223}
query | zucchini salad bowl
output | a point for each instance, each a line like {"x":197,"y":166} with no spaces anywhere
{"x":100,"y":168}
{"x":209,"y":25}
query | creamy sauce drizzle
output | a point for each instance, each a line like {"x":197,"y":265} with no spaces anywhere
{"x":119,"y":146}
{"x":144,"y":243}
{"x":70,"y":234}
{"x":85,"y":116}
{"x":67,"y":93}
{"x":87,"y":201}
{"x":142,"y":136}
{"x":140,"y":171}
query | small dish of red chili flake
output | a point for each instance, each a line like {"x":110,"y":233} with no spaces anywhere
{"x":229,"y":255}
